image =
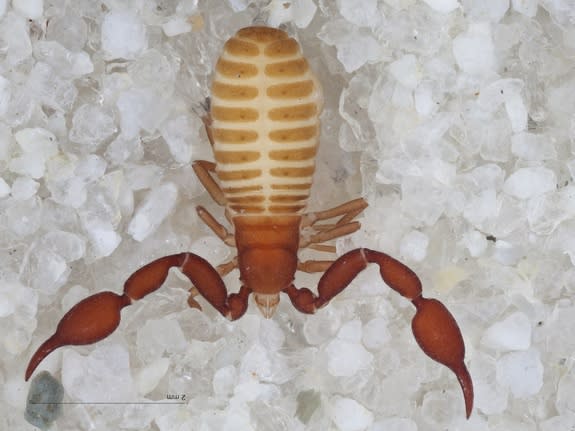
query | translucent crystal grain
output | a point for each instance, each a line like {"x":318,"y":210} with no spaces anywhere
{"x":66,"y":244}
{"x":525,"y":7}
{"x":102,"y":376}
{"x":14,"y":33}
{"x":547,"y":211}
{"x":362,"y":13}
{"x":414,"y":246}
{"x":91,"y":125}
{"x":65,"y":187}
{"x":18,"y":312}
{"x":475,"y":242}
{"x":511,"y":333}
{"x":349,"y":415}
{"x":474,"y":50}
{"x":31,"y":9}
{"x":516,"y":111}
{"x":268,"y":366}
{"x":5,"y":94}
{"x":320,"y":326}
{"x":406,"y":71}
{"x":48,"y":87}
{"x":24,"y":188}
{"x":443,"y":6}
{"x":300,"y":12}
{"x":355,"y":47}
{"x":70,"y":30}
{"x":123,"y":34}
{"x":224,"y":380}
{"x":4,"y":188}
{"x":23,"y":217}
{"x":354,"y":102}
{"x":533,"y":147}
{"x":175,"y":26}
{"x":152,"y":211}
{"x":482,"y":207}
{"x":124,"y":149}
{"x":271,"y":336}
{"x":67,"y":63}
{"x":346,"y":358}
{"x":151,"y":69}
{"x":439,"y":408}
{"x":376,"y":333}
{"x":351,"y":331}
{"x":394,"y":424}
{"x":37,"y":146}
{"x":521,"y":372}
{"x":159,"y":336}
{"x":564,"y":401}
{"x":481,"y":10}
{"x":179,"y":134}
{"x":140,"y":109}
{"x":417,"y":202}
{"x":425,"y":100}
{"x":526,"y":183}
{"x":307,"y":403}
{"x":6,"y":143}
{"x":508,"y":253}
{"x":448,"y":276}
{"x":17,"y":298}
{"x":46,"y":270}
{"x":139,"y":177}
{"x":101,"y":233}
{"x":563,"y":421}
{"x":490,"y":396}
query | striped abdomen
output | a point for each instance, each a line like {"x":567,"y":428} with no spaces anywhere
{"x":265,"y":108}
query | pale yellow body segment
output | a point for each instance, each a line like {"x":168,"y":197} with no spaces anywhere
{"x":265,"y":108}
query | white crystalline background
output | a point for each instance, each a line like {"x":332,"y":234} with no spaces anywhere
{"x":454,"y":119}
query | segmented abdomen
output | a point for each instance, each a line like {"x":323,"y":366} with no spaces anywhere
{"x":265,"y":108}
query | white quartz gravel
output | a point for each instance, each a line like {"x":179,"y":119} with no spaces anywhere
{"x":454,"y":119}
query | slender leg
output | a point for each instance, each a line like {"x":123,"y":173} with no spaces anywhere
{"x":325,"y":232}
{"x":215,"y":226}
{"x":434,"y":328}
{"x":225,"y":268}
{"x":202,"y":110}
{"x":228,"y":216}
{"x":204,"y":113}
{"x":202,"y":168}
{"x":349,"y":210}
{"x":97,"y":316}
{"x":330,"y":234}
{"x":192,"y":303}
{"x":310,"y":266}
{"x":323,"y":247}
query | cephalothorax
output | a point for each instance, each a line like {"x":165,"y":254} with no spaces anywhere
{"x":263,"y":124}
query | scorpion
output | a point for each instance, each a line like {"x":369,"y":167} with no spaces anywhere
{"x":263,"y":125}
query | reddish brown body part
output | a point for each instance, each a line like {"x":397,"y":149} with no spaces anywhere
{"x":267,"y":247}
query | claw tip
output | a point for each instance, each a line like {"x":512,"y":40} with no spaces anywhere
{"x":466,"y":384}
{"x":44,"y":350}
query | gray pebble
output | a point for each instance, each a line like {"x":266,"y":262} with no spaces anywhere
{"x":43,"y":405}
